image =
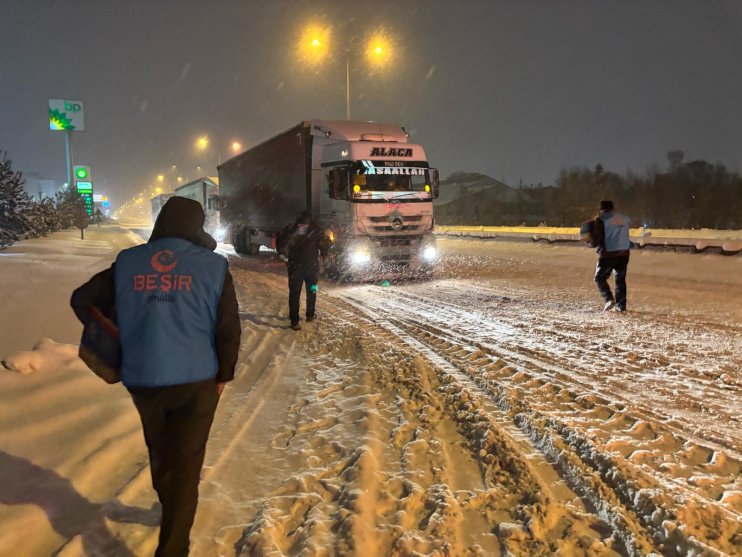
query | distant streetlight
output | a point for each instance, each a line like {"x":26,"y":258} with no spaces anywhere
{"x":180,"y":179}
{"x":202,"y":143}
{"x":160,"y":178}
{"x":236,"y":147}
{"x":314,"y":48}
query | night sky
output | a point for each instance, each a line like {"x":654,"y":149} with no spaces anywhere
{"x":516,"y":90}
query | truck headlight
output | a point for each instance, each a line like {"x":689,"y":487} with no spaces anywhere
{"x":360,"y":256}
{"x":429,"y":253}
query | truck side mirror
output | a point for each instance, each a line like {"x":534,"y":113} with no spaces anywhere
{"x":434,"y":183}
{"x":338,"y":183}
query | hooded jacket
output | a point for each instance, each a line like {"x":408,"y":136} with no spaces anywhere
{"x":303,"y":242}
{"x":174,"y":302}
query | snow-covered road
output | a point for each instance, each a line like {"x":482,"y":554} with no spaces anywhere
{"x":628,"y":424}
{"x":494,"y":410}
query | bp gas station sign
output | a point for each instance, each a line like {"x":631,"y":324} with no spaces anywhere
{"x":85,"y":189}
{"x":66,"y":115}
{"x":84,"y":186}
{"x":82,"y":172}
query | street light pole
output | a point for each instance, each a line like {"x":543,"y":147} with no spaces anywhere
{"x":347,"y":86}
{"x":68,"y":149}
{"x":313,"y":49}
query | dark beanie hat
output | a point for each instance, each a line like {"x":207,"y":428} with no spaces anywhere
{"x":606,"y":205}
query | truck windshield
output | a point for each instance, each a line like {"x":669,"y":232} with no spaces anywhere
{"x":385,"y":186}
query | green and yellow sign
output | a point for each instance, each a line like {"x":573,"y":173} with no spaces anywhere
{"x":66,"y":115}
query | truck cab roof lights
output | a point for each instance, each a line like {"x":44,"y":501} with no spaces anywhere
{"x":324,"y":131}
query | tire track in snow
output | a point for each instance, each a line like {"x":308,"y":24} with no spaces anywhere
{"x":534,"y":339}
{"x":408,"y":325}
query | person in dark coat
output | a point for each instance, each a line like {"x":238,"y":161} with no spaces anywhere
{"x":174,"y":303}
{"x":302,"y":243}
{"x":611,"y":234}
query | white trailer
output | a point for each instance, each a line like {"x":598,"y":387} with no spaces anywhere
{"x":157,"y":202}
{"x":205,"y":190}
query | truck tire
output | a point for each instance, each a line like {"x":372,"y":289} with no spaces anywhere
{"x":238,"y":241}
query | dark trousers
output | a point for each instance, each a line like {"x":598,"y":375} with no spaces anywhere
{"x":302,"y":275}
{"x":176,"y":422}
{"x":616,"y":265}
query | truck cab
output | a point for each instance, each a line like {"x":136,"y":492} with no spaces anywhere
{"x":376,"y":198}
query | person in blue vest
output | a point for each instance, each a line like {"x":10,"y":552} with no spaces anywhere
{"x":611,"y":234}
{"x":174,"y":303}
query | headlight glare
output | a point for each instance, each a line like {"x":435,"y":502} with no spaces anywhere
{"x":360,"y":256}
{"x":429,"y":253}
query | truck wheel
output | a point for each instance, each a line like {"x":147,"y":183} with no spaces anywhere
{"x":239,"y":241}
{"x":254,"y":249}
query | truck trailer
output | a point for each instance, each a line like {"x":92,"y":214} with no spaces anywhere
{"x":157,"y":202}
{"x":369,"y":188}
{"x":205,"y":190}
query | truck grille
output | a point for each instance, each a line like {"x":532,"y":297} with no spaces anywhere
{"x":409,"y":223}
{"x":404,"y":228}
{"x":397,"y":241}
{"x":410,"y":218}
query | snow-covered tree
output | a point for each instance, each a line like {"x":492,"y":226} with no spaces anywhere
{"x":67,"y":202}
{"x":16,"y":205}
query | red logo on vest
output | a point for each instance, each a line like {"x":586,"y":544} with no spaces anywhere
{"x":163,"y":262}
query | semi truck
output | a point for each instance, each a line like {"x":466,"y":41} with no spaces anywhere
{"x":369,"y":188}
{"x":205,"y":190}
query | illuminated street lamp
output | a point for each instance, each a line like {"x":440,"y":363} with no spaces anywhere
{"x":236,"y":147}
{"x":314,"y":48}
{"x":379,"y":51}
{"x":160,"y":178}
{"x":202,"y":143}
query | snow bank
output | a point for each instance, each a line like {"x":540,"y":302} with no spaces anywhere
{"x":729,"y":241}
{"x":46,"y":357}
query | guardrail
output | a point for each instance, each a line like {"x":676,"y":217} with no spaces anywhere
{"x":727,"y":242}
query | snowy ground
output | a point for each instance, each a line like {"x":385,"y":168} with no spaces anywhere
{"x":492,"y":411}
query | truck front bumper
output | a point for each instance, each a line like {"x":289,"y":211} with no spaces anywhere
{"x":400,"y":256}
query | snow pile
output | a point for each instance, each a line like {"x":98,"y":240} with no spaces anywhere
{"x":47,"y":356}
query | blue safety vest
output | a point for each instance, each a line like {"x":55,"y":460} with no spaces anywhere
{"x":616,"y":233}
{"x":167,"y":293}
